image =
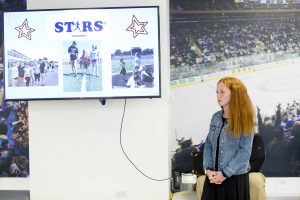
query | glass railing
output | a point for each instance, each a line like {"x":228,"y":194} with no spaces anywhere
{"x":187,"y":71}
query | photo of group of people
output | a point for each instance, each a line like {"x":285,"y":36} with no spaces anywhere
{"x":82,"y":69}
{"x":24,"y":71}
{"x":133,"y":68}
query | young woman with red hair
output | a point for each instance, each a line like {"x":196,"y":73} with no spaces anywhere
{"x":228,"y":144}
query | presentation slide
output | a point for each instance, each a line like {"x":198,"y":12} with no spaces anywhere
{"x":82,"y":53}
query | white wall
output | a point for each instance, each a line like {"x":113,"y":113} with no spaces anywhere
{"x":74,"y":145}
{"x":75,"y":151}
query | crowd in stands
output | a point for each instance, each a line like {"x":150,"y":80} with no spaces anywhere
{"x":14,"y":132}
{"x":179,"y":5}
{"x":14,"y":139}
{"x":281,"y":135}
{"x":211,"y":38}
{"x":12,"y":5}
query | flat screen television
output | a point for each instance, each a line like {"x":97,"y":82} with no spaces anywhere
{"x":82,"y":53}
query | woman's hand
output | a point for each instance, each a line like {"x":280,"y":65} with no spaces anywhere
{"x":210,"y":174}
{"x":217,"y":178}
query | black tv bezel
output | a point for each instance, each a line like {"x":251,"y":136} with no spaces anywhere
{"x":101,"y":98}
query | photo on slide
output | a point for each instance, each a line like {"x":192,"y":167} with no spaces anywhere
{"x":32,"y":67}
{"x":133,"y":68}
{"x":82,"y":66}
{"x":263,"y":51}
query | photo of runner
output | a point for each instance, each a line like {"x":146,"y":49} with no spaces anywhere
{"x":73,"y":51}
{"x":82,"y":66}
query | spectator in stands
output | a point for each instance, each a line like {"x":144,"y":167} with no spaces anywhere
{"x":267,"y":131}
{"x":5,"y":158}
{"x":294,"y":150}
{"x":18,"y":167}
{"x":5,"y":112}
{"x":1,"y":88}
{"x":228,"y":144}
{"x":3,"y":130}
{"x":277,"y":162}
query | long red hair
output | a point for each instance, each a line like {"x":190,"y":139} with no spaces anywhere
{"x":242,"y":116}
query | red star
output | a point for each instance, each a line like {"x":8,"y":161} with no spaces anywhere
{"x":24,"y":30}
{"x":137,"y":27}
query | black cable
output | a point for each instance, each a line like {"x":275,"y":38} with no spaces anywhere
{"x":154,"y":179}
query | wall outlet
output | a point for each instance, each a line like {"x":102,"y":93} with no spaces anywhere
{"x":121,"y":194}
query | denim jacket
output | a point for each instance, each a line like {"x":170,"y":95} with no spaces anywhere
{"x":234,"y":153}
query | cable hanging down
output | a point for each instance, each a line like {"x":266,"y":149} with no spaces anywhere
{"x":121,"y":128}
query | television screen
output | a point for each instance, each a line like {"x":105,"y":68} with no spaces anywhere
{"x":82,"y":53}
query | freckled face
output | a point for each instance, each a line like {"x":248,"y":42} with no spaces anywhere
{"x":223,"y":95}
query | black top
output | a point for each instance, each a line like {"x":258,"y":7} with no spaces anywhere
{"x":258,"y":154}
{"x":218,"y":143}
{"x":73,"y":52}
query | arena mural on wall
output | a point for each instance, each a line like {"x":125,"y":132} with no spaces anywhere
{"x":252,"y":41}
{"x":14,"y":130}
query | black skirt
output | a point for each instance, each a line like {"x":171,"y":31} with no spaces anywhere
{"x":233,"y":188}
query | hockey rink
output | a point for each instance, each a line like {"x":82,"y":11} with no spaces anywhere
{"x":194,"y":104}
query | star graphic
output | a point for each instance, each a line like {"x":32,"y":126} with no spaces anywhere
{"x":24,"y":30}
{"x":137,"y":27}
